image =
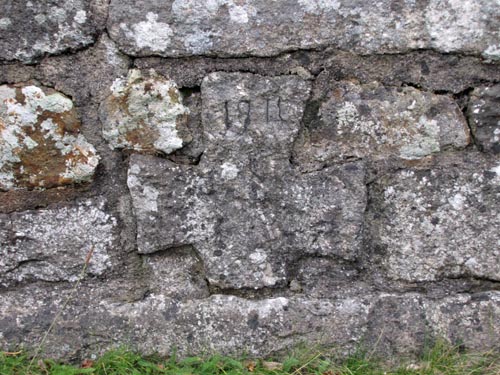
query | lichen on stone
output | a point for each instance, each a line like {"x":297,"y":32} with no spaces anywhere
{"x":145,"y":113}
{"x":40,"y":143}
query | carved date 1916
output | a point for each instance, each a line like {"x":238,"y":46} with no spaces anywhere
{"x":239,"y":114}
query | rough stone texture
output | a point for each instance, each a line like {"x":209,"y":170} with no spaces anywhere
{"x":318,"y":184}
{"x":176,"y":273}
{"x":264,"y":28}
{"x":440,"y":222}
{"x":375,"y":122}
{"x":484,"y":116}
{"x":405,"y":324}
{"x":223,"y":323}
{"x":87,"y":75}
{"x":461,"y":317}
{"x":145,"y":114}
{"x":427,"y":69}
{"x":40,"y":144}
{"x":274,"y":214}
{"x":52,"y":244}
{"x":31,"y":29}
{"x":220,"y":323}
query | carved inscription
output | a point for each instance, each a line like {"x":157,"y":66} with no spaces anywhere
{"x":239,"y":114}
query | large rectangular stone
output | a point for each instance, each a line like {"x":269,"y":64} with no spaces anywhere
{"x":263,"y":28}
{"x":439,"y":222}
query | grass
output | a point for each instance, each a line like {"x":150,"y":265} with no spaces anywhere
{"x":442,"y":359}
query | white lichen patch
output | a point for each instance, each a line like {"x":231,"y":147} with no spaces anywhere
{"x":146,"y":197}
{"x":149,"y":34}
{"x":144,"y":113}
{"x":492,"y":52}
{"x":229,"y":171}
{"x":196,"y":11}
{"x":402,"y":123}
{"x":496,"y":170}
{"x":81,"y":16}
{"x":199,"y":39}
{"x":35,"y":147}
{"x":5,"y":23}
{"x":62,"y":26}
{"x":424,"y":142}
{"x":320,"y":6}
{"x":59,"y":240}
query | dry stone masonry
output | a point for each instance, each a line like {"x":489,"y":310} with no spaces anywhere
{"x":247,"y":175}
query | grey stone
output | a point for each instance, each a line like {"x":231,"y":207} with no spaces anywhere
{"x":31,"y":29}
{"x":407,"y":324}
{"x":397,"y":325}
{"x":428,"y":70}
{"x":244,"y":208}
{"x":263,"y":28}
{"x":374,"y":122}
{"x":145,"y":114}
{"x":324,"y":277}
{"x":40,"y":141}
{"x":193,"y":150}
{"x":95,"y":322}
{"x":52,"y":244}
{"x":86,"y":75}
{"x":176,"y":273}
{"x":484,"y":117}
{"x":439,"y":222}
{"x":467,"y":320}
{"x":248,"y":118}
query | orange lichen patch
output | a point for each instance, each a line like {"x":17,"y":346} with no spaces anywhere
{"x":46,"y":153}
{"x":148,"y":86}
{"x":40,"y":166}
{"x":67,"y":121}
{"x":142,"y":138}
{"x":22,"y":200}
{"x":20,"y":97}
{"x":141,"y":114}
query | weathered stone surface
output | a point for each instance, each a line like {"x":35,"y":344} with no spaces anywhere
{"x":439,"y":222}
{"x":246,"y":230}
{"x":375,"y":122}
{"x":397,"y":325}
{"x":176,"y":273}
{"x":324,"y":277}
{"x":405,"y":324}
{"x":469,"y":320}
{"x":157,"y":324}
{"x":31,"y":29}
{"x":86,"y":75}
{"x":244,"y":208}
{"x":263,"y":28}
{"x":94,"y":322}
{"x":428,"y":70}
{"x":484,"y":116}
{"x":40,"y":144}
{"x":145,"y":114}
{"x":52,"y":244}
{"x":251,"y":120}
{"x":322,"y":187}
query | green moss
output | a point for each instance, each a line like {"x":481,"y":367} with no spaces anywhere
{"x":441,"y":359}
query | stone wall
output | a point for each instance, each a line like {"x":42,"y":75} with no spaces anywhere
{"x":250,"y":174}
